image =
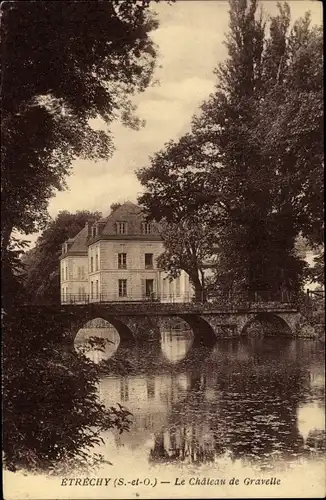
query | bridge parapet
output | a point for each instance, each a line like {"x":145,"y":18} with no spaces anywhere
{"x":161,"y":309}
{"x":140,"y":322}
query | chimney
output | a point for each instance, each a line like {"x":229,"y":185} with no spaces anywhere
{"x":88,"y":225}
{"x":65,"y":246}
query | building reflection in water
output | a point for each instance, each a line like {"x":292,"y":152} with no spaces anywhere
{"x":148,"y":398}
{"x":252,"y":401}
{"x":193,"y":442}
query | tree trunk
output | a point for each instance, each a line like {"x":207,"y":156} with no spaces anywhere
{"x":5,"y":240}
{"x":199,"y":292}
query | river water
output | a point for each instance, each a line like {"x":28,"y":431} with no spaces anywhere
{"x":242,"y":419}
{"x":256,"y":400}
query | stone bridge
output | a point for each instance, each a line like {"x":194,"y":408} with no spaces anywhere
{"x":141,"y":322}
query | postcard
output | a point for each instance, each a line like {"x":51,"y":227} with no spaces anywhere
{"x":163,"y":329}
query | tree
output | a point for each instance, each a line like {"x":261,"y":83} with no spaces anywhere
{"x":177,"y":183}
{"x":259,"y":230}
{"x":42,"y":272}
{"x":244,"y":179}
{"x":291,"y":127}
{"x":177,"y":193}
{"x":316,"y":273}
{"x":189,"y":247}
{"x":64,"y":64}
{"x":12,"y":274}
{"x":55,"y":428}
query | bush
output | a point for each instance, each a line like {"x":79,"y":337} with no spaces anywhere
{"x":52,"y":414}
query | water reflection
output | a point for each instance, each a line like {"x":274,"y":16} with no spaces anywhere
{"x":148,"y":398}
{"x":100,"y":329}
{"x":254,"y":400}
{"x":176,"y":341}
{"x":176,"y":344}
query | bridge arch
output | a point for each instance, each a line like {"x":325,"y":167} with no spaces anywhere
{"x":203,"y":332}
{"x":125,"y":333}
{"x":271,"y":324}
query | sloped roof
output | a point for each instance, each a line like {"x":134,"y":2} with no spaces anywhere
{"x":132,"y":214}
{"x":79,"y":244}
{"x":128,"y":212}
{"x":80,"y":241}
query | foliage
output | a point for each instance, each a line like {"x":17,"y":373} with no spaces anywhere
{"x":316,"y":273}
{"x":291,"y":127}
{"x":188,"y":247}
{"x":263,"y":221}
{"x":64,"y":65}
{"x":176,"y":182}
{"x":12,"y":271}
{"x":42,"y":272}
{"x":242,"y":163}
{"x":178,"y":192}
{"x":52,"y":415}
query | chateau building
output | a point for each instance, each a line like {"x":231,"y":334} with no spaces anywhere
{"x":115,"y":259}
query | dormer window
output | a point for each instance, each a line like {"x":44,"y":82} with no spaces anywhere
{"x":121,"y":228}
{"x":147,"y":228}
{"x":93,"y":232}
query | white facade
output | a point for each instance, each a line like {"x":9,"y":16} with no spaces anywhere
{"x":116,"y":260}
{"x":74,"y":278}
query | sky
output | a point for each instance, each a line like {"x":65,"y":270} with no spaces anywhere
{"x":190,"y":44}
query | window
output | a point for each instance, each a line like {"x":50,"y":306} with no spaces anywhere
{"x":171,"y":289}
{"x":165,"y":285}
{"x":80,"y":271}
{"x":96,"y":262}
{"x":66,"y":272}
{"x":149,"y":288}
{"x":122,"y":260}
{"x":147,"y":228}
{"x":92,"y":289}
{"x":122,"y":288}
{"x":121,"y":227}
{"x":96,"y":289}
{"x":92,"y":264}
{"x":177,"y":287}
{"x":148,"y":261}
